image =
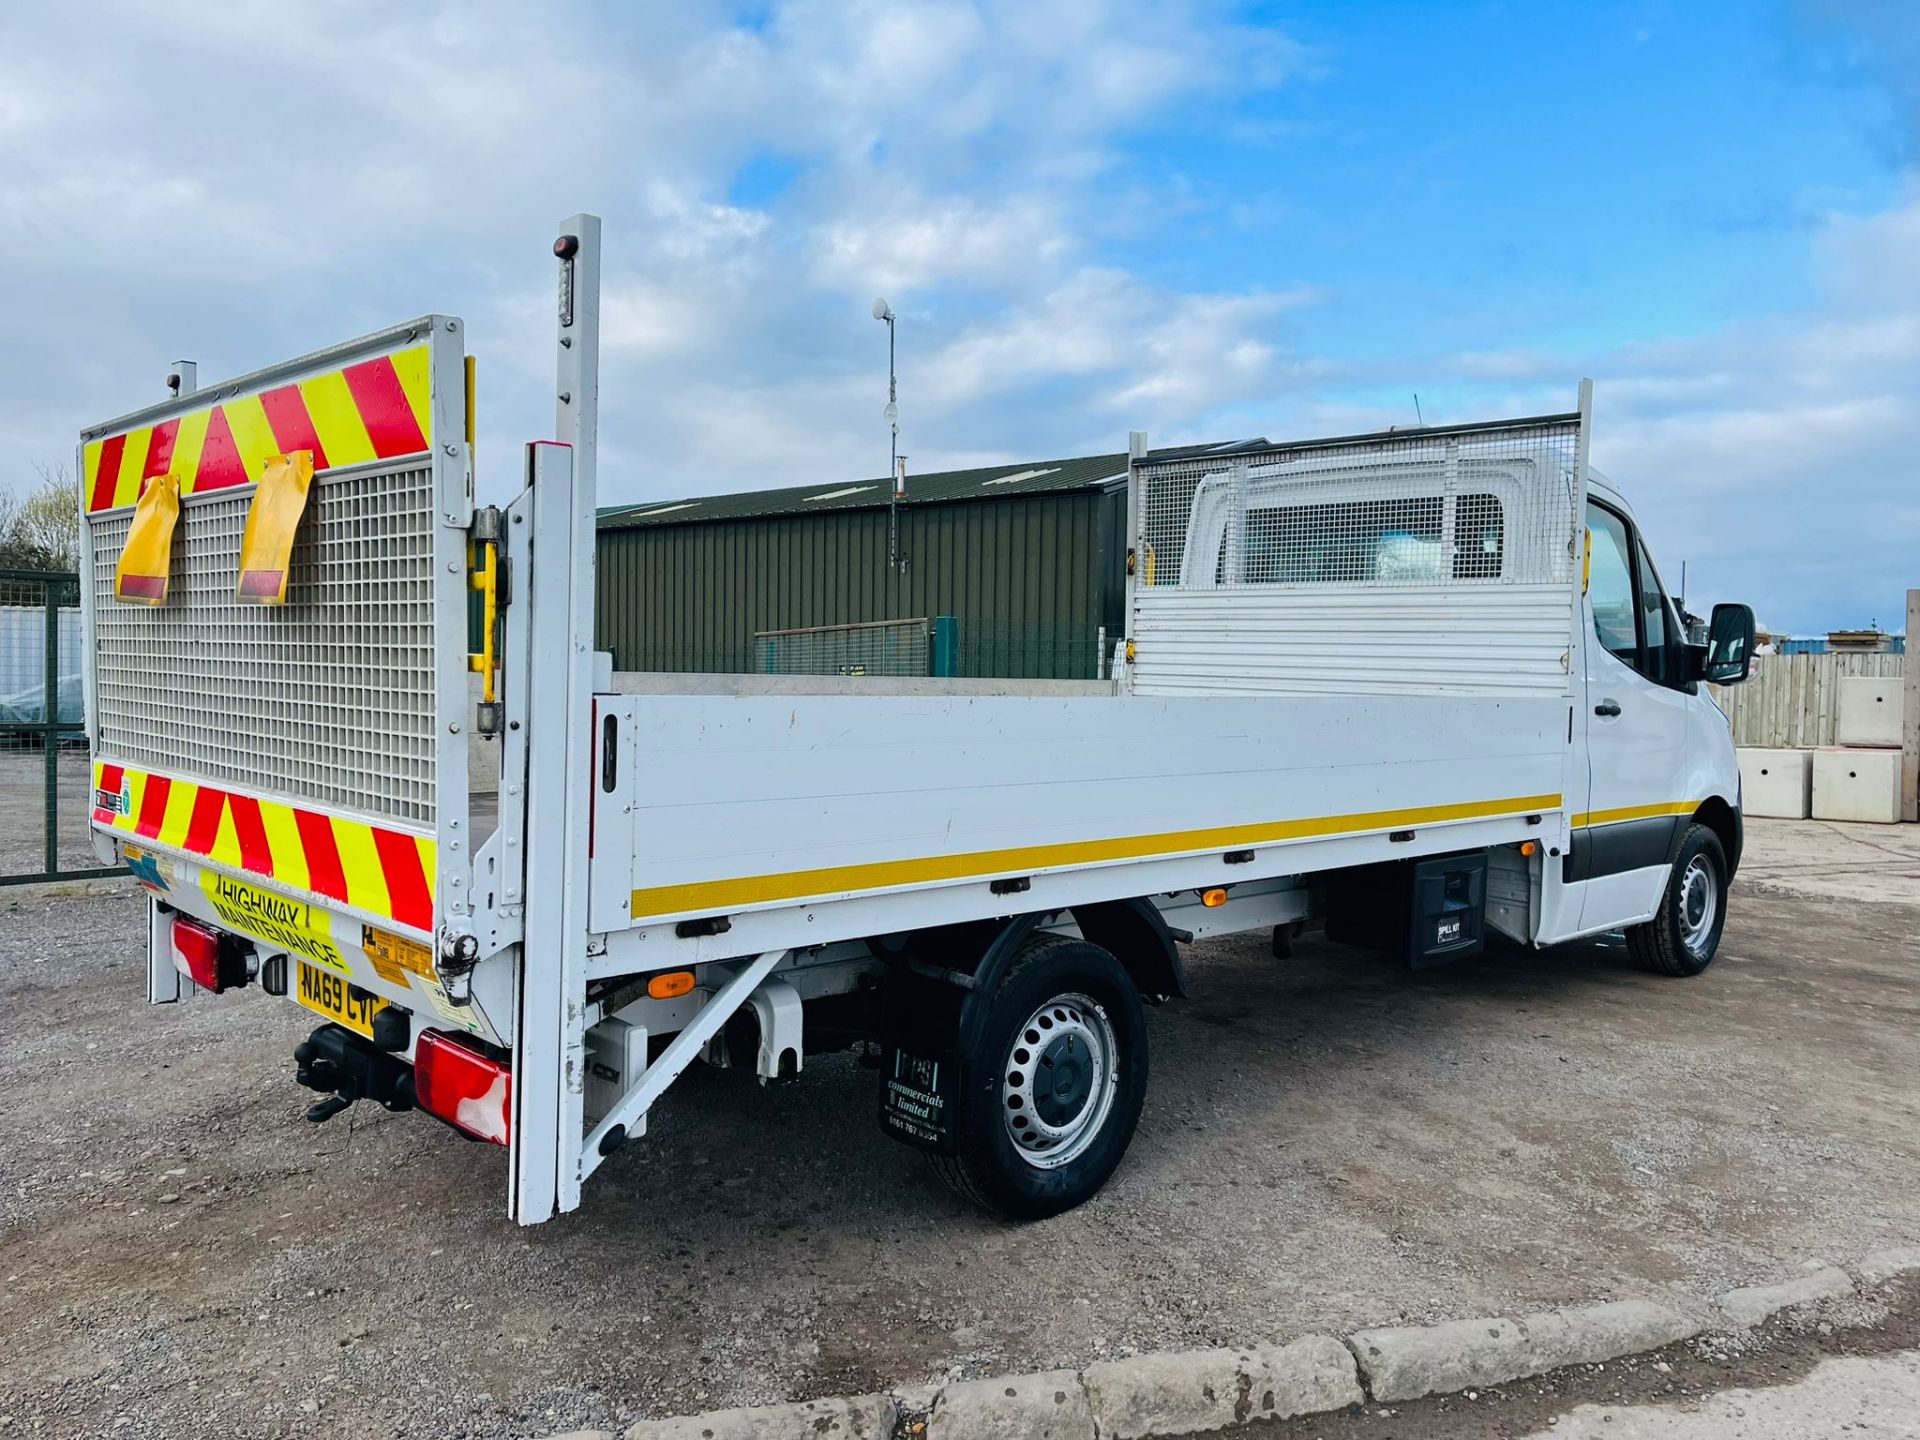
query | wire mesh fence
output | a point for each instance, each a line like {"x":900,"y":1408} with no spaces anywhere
{"x":1023,"y":650}
{"x":44,"y":775}
{"x":953,"y":646}
{"x":878,"y":647}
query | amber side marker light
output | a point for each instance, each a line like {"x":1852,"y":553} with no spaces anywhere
{"x":1529,"y":847}
{"x":671,"y":985}
{"x":1212,"y":898}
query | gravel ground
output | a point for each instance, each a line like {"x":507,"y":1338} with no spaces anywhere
{"x":1329,"y":1142}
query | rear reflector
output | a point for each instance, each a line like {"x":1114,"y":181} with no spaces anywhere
{"x":205,"y":957}
{"x":465,"y":1088}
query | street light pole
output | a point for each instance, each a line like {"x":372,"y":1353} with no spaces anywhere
{"x":884,"y":311}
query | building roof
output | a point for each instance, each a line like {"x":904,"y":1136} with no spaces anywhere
{"x":939,"y":487}
{"x":989,"y":482}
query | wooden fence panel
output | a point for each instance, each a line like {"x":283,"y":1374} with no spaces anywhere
{"x":1793,"y":701}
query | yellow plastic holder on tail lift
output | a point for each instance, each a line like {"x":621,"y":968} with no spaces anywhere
{"x":266,"y":548}
{"x":146,"y":560}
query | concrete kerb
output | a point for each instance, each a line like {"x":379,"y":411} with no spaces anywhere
{"x":1750,"y":1305}
{"x":1406,"y":1362}
{"x":1195,"y":1391}
{"x":1884,"y":1265}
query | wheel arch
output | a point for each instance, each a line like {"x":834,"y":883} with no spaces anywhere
{"x":1136,"y":935}
{"x":1132,"y":931}
{"x":1724,"y":820}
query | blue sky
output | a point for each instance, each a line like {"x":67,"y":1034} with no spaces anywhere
{"x":1202,"y":219}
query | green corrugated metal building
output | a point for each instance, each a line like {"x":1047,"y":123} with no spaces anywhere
{"x":1026,"y":562}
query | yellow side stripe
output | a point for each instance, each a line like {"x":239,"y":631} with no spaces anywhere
{"x":1634,"y":812}
{"x":801,"y":884}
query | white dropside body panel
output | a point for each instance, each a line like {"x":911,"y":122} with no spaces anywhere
{"x":791,"y":805}
{"x":1342,"y":640}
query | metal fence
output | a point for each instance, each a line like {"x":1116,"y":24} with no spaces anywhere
{"x":44,"y":780}
{"x":878,"y":647}
{"x":1019,"y":650}
{"x":956,"y":646}
{"x":1793,"y":701}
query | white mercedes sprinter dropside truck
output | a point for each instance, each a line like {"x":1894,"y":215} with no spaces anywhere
{"x":1418,"y":685}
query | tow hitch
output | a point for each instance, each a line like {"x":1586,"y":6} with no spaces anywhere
{"x":345,"y":1068}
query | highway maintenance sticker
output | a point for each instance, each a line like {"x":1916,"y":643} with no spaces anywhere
{"x":292,"y":924}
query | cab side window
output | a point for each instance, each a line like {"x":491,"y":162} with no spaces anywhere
{"x":1655,"y":627}
{"x":1631,"y":615}
{"x":1610,"y":585}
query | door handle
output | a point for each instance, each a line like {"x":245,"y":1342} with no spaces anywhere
{"x":1608,"y":708}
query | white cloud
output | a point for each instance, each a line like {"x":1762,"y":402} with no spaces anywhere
{"x":1779,"y":456}
{"x":241,"y":182}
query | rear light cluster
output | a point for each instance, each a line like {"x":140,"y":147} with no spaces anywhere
{"x":466,"y":1088}
{"x":213,"y":961}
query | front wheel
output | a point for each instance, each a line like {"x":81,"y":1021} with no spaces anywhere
{"x":1055,"y":1080}
{"x":1684,"y":934}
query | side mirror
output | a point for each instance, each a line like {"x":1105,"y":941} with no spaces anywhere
{"x":1729,"y":652}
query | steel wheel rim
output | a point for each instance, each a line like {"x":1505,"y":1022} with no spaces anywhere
{"x":1699,"y":904}
{"x":1059,"y":1080}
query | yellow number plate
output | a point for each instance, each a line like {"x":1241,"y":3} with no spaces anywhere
{"x":333,"y":996}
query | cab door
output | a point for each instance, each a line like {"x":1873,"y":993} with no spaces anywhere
{"x":1636,"y":718}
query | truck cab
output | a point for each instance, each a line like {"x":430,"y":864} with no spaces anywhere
{"x":1659,"y":770}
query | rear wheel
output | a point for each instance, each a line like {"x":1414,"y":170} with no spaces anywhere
{"x":1684,"y":934}
{"x":1055,"y":1080}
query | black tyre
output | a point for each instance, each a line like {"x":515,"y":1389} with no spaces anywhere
{"x":1684,"y":934}
{"x":1055,"y":1079}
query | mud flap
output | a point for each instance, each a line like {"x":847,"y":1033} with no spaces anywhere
{"x":920,"y":1070}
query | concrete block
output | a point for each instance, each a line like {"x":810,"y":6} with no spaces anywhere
{"x":1885,"y":1265}
{"x":1406,"y":1362}
{"x":1856,"y":785}
{"x":1869,"y":710}
{"x":1752,"y":1304}
{"x":1776,"y":784}
{"x":1047,"y":1406}
{"x":1199,"y":1390}
{"x":859,"y":1417}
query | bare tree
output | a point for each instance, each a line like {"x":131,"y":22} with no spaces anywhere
{"x":41,"y":531}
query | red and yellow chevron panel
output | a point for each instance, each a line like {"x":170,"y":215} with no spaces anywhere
{"x":384,"y":872}
{"x":377,"y":409}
